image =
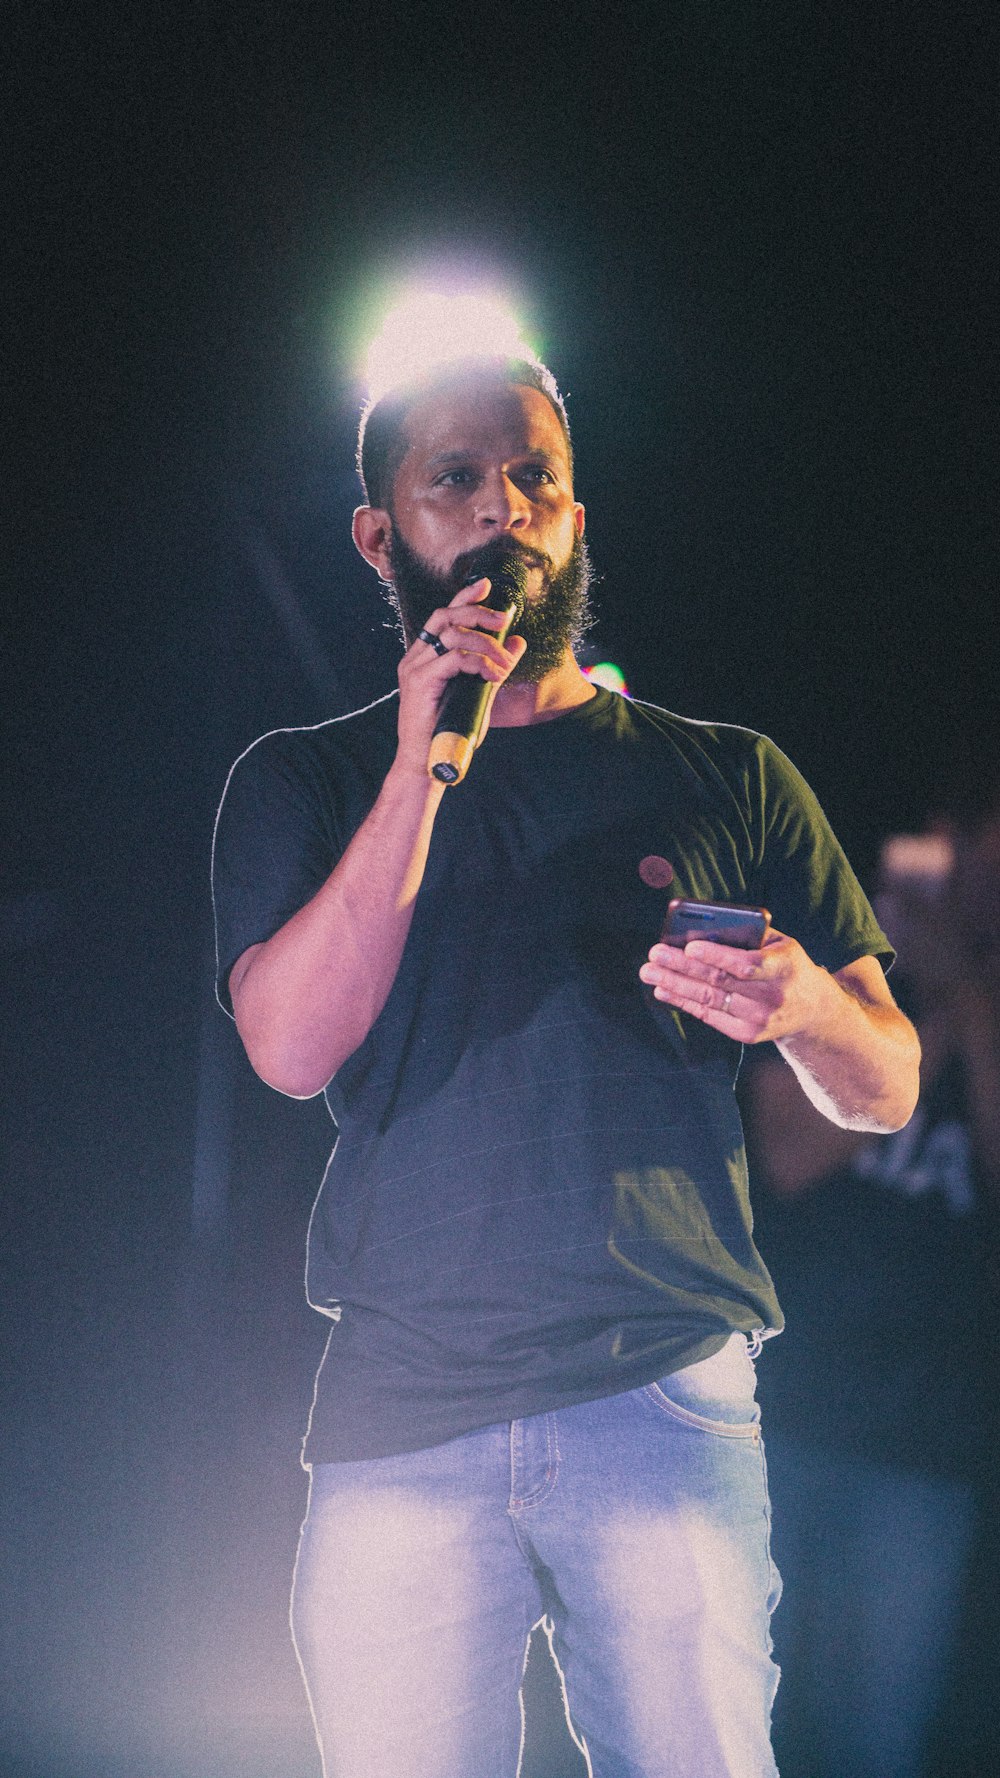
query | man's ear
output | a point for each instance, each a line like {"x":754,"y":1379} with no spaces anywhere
{"x":371,"y":529}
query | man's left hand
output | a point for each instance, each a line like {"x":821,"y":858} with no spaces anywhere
{"x":750,"y":996}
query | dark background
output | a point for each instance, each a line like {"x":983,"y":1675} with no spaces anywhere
{"x":758,"y":246}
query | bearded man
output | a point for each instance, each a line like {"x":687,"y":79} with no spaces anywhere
{"x":534,"y":1236}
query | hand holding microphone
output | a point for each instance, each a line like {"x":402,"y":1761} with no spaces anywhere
{"x":466,"y":701}
{"x":464,"y":653}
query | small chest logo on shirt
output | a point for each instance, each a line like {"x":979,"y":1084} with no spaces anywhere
{"x":655,"y":872}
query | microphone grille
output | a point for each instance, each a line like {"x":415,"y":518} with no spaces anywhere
{"x":509,"y":583}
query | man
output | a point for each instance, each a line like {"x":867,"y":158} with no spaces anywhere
{"x":534,"y":1234}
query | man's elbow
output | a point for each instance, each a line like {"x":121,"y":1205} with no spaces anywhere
{"x":282,"y":1065}
{"x":878,"y":1117}
{"x":903,"y":1106}
{"x":283,"y":1047}
{"x":893,"y":1105}
{"x":889,"y":1115}
{"x":906,"y":1080}
{"x":280,"y":1057}
{"x":288,"y":1076}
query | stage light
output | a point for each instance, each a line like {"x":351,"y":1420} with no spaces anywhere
{"x":426,"y":328}
{"x":606,"y":674}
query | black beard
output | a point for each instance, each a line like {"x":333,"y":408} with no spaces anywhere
{"x":556,"y":618}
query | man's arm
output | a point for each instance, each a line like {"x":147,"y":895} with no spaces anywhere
{"x":795,"y":1148}
{"x":306,"y":998}
{"x":854,"y":1053}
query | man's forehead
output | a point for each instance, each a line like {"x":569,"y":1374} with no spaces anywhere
{"x":483,"y":416}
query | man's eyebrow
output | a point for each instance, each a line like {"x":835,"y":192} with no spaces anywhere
{"x":538,"y":454}
{"x":440,"y":457}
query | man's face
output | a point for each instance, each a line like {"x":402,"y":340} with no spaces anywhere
{"x":487,"y":470}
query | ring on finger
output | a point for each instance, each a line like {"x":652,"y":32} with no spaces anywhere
{"x":434,"y":642}
{"x":727,"y":1001}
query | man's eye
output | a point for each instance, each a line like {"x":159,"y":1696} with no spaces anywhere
{"x":537,"y":474}
{"x":455,"y":478}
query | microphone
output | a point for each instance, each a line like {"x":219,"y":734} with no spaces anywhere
{"x":466,"y":698}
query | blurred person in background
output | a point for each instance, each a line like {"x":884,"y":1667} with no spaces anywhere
{"x":879,"y":1395}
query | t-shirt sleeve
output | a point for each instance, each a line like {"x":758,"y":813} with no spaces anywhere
{"x":277,"y":838}
{"x":803,"y":876}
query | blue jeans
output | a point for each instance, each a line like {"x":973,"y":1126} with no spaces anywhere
{"x":636,"y":1527}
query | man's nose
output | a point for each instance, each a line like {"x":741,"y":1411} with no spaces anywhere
{"x":502,"y":505}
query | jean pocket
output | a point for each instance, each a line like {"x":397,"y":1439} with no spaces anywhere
{"x":714,"y":1395}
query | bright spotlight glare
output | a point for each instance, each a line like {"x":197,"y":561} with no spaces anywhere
{"x":430,"y":328}
{"x":608,"y":675}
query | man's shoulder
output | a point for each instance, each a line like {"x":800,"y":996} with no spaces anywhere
{"x":722,"y":744}
{"x":324,"y":744}
{"x":731,"y":764}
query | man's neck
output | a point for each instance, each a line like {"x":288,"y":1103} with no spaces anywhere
{"x":518,"y":705}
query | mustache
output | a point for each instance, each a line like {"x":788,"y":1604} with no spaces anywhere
{"x":489,"y":558}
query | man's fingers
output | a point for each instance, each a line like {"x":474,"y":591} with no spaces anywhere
{"x":473,"y":595}
{"x":697,"y":989}
{"x":457,"y":638}
{"x":705,"y":961}
{"x":476,"y":650}
{"x":747,"y":995}
{"x":731,"y":1010}
{"x":680,"y":966}
{"x":724,"y":1008}
{"x":475,"y":642}
{"x":735,"y":958}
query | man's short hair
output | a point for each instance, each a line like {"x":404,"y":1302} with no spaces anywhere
{"x":381,"y":435}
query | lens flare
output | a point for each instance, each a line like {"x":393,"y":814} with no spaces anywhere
{"x":606,"y":674}
{"x":428,"y":328}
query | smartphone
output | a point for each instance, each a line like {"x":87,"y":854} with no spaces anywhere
{"x":722,"y":922}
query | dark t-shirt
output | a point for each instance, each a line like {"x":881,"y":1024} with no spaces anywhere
{"x":538,"y":1193}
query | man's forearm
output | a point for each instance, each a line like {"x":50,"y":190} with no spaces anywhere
{"x":855,"y":1054}
{"x":308,"y":997}
{"x":857,"y":1059}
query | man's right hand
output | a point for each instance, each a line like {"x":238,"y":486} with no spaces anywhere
{"x":468,"y":631}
